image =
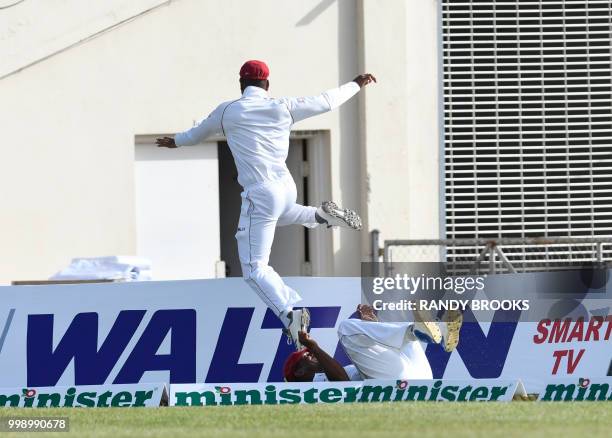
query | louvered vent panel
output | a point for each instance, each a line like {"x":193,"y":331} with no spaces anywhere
{"x":528,"y":118}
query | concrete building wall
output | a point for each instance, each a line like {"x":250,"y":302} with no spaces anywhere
{"x":69,"y":121}
{"x":400,"y":126}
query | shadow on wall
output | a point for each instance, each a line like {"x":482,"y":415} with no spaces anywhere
{"x":315,"y":12}
{"x":349,"y":171}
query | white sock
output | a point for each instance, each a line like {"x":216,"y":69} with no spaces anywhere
{"x":284,"y":317}
{"x":409,"y":335}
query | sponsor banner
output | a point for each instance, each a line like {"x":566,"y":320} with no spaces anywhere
{"x":532,"y":352}
{"x":367,"y":391}
{"x":208,"y":331}
{"x":168,"y":331}
{"x":102,"y":396}
{"x":579,"y":389}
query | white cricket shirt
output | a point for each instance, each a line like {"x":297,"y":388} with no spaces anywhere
{"x":257,"y":128}
{"x":351,"y":371}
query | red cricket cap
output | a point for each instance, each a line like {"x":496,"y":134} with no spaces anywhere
{"x":292,"y":360}
{"x":254,"y":70}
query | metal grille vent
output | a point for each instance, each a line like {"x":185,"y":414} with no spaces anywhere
{"x":528,"y":118}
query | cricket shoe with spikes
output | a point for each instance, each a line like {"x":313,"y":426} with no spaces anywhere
{"x":299,"y":320}
{"x":425,"y":329}
{"x":336,"y":216}
{"x":451,"y":326}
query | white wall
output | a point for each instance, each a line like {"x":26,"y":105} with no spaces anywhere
{"x":33,"y":30}
{"x":69,"y":126}
{"x":401,"y":119}
{"x":177,"y":210}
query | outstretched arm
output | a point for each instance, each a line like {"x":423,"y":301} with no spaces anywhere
{"x":333,"y":370}
{"x":207,"y":127}
{"x":303,"y":107}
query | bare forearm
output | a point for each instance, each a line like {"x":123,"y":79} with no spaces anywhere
{"x":333,"y":370}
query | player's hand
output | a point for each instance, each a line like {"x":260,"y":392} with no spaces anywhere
{"x":307,"y":341}
{"x":165,"y":142}
{"x":364,"y":79}
{"x":367,"y":313}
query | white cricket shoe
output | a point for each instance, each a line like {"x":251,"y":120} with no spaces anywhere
{"x":299,"y":320}
{"x":336,"y":216}
{"x":451,"y":326}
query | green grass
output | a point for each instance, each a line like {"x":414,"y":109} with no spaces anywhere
{"x":423,"y":419}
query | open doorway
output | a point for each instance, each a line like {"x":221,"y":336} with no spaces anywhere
{"x":291,"y":251}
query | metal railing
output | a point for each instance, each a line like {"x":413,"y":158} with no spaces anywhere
{"x":504,"y":255}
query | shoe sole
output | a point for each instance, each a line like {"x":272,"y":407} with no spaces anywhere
{"x":305,"y":322}
{"x":454,"y":321}
{"x":304,"y":325}
{"x":434,"y":331}
{"x":349,"y":217}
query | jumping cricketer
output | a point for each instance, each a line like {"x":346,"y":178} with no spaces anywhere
{"x":257,"y":129}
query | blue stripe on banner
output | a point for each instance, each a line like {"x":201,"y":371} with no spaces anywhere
{"x":7,"y":325}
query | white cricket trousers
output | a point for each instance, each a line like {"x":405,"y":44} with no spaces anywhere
{"x":265,"y":206}
{"x":383,"y":350}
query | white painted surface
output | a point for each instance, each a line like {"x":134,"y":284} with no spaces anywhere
{"x":177,"y":210}
{"x":400,"y":129}
{"x":69,"y":121}
{"x":35,"y":29}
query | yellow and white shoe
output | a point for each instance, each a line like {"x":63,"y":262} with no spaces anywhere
{"x":451,"y":327}
{"x":425,"y":328}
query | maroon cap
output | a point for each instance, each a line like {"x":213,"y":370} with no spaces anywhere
{"x":254,"y":70}
{"x":291,"y":364}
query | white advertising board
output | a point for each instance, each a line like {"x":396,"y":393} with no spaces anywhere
{"x":342,"y":392}
{"x":96,"y":396}
{"x":218,"y":331}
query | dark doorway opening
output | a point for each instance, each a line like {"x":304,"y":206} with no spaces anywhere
{"x":290,"y":252}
